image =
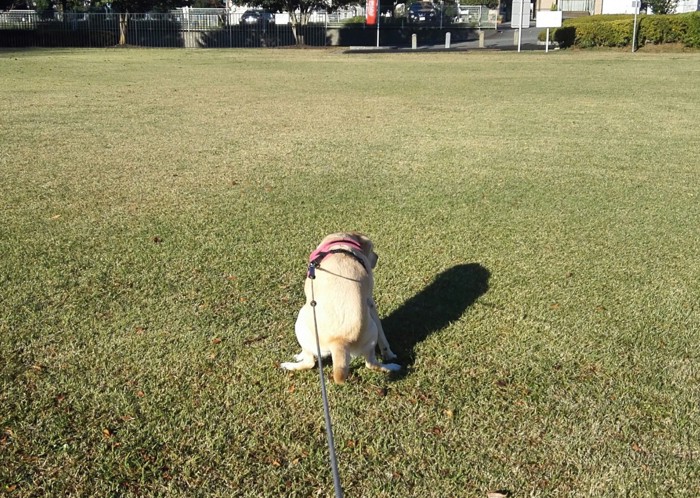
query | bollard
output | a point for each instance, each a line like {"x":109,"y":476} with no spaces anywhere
{"x":414,"y":41}
{"x":515,"y":36}
{"x":481,"y":39}
{"x":448,"y":36}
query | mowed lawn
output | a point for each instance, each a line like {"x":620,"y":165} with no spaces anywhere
{"x":537,"y":219}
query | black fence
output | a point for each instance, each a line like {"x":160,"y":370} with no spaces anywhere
{"x":108,"y":30}
{"x":218,"y":31}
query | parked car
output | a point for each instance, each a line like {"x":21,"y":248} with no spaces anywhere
{"x":422,"y":12}
{"x":257,"y":16}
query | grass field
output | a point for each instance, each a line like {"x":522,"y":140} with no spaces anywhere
{"x":536,"y":218}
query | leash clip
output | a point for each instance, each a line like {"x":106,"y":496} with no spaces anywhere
{"x":311,"y":271}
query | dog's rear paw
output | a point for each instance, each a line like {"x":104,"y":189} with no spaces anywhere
{"x":391,"y":367}
{"x":388,"y":356}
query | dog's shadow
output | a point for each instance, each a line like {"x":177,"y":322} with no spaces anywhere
{"x":440,"y":303}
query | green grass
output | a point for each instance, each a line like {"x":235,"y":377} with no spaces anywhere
{"x":537,"y":223}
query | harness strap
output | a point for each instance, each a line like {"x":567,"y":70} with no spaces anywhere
{"x":316,"y":262}
{"x":323,"y":251}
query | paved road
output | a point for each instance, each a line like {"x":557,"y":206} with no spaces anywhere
{"x":503,"y":39}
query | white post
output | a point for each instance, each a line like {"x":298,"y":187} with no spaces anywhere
{"x":635,"y":4}
{"x":546,"y":47}
{"x":414,"y":41}
{"x":447,"y":39}
{"x":520,"y":26}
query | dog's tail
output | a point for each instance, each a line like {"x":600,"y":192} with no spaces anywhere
{"x":341,"y":364}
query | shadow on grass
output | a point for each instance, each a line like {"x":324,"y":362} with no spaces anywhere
{"x":442,"y":302}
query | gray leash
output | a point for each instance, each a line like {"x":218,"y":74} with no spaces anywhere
{"x":326,"y":410}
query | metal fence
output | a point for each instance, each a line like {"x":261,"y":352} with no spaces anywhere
{"x":477,"y":16}
{"x":150,"y":30}
{"x":211,"y":28}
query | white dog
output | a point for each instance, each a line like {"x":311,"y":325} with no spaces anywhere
{"x":341,"y":296}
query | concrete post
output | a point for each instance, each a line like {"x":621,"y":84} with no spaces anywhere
{"x":414,"y":41}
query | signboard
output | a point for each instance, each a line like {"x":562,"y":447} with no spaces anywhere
{"x":520,"y":18}
{"x":548,"y":19}
{"x":371,"y":10}
{"x":492,"y":17}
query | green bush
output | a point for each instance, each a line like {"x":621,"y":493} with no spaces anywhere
{"x":678,"y":28}
{"x":692,"y":34}
{"x":596,"y":19}
{"x":354,"y":20}
{"x":604,"y":34}
{"x":616,"y":30}
{"x":662,"y":29}
{"x":564,"y":36}
{"x":567,"y":33}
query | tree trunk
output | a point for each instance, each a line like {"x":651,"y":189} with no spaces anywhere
{"x":123,"y":20}
{"x":299,"y":23}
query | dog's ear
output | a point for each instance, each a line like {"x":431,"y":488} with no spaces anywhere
{"x":367,"y":247}
{"x":373,"y":257}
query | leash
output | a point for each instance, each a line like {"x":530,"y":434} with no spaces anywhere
{"x":326,"y":411}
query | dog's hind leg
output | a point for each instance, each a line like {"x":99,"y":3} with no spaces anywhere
{"x":372,"y":363}
{"x":305,"y":361}
{"x":384,"y":348}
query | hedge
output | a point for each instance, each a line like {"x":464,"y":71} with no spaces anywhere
{"x":616,"y":30}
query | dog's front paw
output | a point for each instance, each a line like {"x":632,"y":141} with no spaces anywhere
{"x":288,"y":365}
{"x":392,"y":367}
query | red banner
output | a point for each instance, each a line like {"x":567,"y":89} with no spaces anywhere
{"x":371,"y":10}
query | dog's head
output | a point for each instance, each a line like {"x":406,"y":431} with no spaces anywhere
{"x":366,"y":245}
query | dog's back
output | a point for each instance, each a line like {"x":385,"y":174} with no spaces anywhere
{"x":341,"y":290}
{"x":339,"y":306}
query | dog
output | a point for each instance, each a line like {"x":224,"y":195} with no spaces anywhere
{"x":339,"y":292}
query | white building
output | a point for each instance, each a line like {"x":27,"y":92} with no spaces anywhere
{"x":687,"y":6}
{"x":617,"y":7}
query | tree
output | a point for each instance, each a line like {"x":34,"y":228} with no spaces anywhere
{"x":662,"y":6}
{"x":126,"y":7}
{"x":14,"y":4}
{"x":300,"y":11}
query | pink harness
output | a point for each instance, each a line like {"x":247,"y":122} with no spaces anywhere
{"x":325,"y":249}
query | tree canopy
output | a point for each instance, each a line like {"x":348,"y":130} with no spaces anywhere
{"x":302,"y":8}
{"x":662,"y":6}
{"x":143,"y":5}
{"x":14,"y":4}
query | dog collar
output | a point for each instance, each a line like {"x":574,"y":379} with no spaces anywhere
{"x":326,"y":249}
